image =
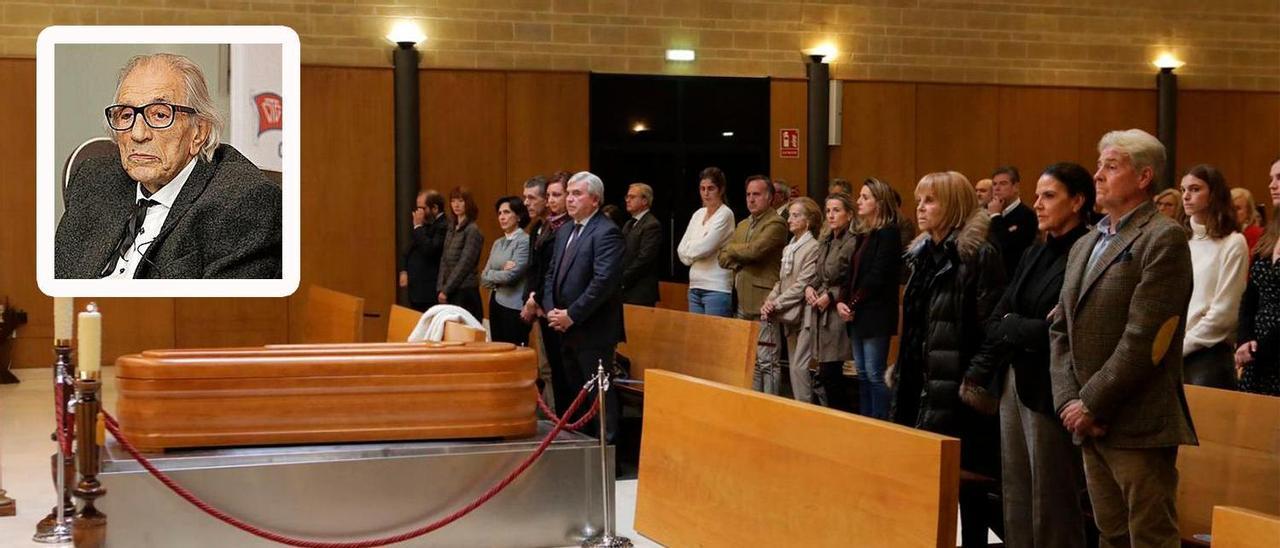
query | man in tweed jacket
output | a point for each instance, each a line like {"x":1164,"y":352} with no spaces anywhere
{"x":1116,"y":342}
{"x":173,"y":203}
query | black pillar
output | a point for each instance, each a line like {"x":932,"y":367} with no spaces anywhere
{"x":407,"y":149}
{"x":819,"y":154}
{"x":1167,"y":123}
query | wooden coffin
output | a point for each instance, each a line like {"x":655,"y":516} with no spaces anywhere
{"x":326,"y":393}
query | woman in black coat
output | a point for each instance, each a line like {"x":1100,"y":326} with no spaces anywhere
{"x":459,"y":282}
{"x":956,"y":279}
{"x":1040,"y":467}
{"x":870,"y":303}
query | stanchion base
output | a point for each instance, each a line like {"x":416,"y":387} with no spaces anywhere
{"x":607,"y":541}
{"x":57,"y":533}
{"x":7,"y":506}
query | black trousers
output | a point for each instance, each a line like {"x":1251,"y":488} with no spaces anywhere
{"x":831,"y":375}
{"x":1214,"y":367}
{"x":560,"y":390}
{"x":505,"y":324}
{"x":469,"y":299}
{"x":580,"y":364}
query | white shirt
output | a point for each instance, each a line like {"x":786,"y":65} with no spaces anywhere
{"x":640,"y":215}
{"x":1012,"y":206}
{"x":584,"y":222}
{"x":127,"y":266}
{"x":701,"y":244}
{"x":1219,"y":269}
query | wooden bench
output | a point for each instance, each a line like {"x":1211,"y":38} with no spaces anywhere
{"x":726,"y":466}
{"x":332,"y":317}
{"x":403,"y":320}
{"x":706,"y":347}
{"x":1237,"y":462}
{"x":1239,"y":528}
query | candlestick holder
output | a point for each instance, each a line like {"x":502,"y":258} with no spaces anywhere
{"x":55,"y":528}
{"x":89,"y":528}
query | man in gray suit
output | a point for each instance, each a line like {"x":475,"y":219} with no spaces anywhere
{"x":1116,"y":384}
{"x":174,"y":203}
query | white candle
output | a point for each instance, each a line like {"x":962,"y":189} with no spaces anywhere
{"x":90,"y":342}
{"x":64,"y":309}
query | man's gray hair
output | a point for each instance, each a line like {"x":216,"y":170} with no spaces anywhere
{"x":779,"y":186}
{"x":645,"y":191}
{"x":197,"y":91}
{"x":595,"y":186}
{"x":1143,"y":150}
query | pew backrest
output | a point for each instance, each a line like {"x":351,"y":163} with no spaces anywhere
{"x":400,"y":323}
{"x":1238,"y":460}
{"x":706,"y":347}
{"x":332,"y":317}
{"x":726,"y":466}
{"x":1239,"y":528}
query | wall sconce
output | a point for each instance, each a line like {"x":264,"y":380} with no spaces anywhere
{"x":683,"y":55}
{"x":825,"y":53}
{"x":639,"y":127}
{"x":1167,"y":61}
{"x":406,"y":34}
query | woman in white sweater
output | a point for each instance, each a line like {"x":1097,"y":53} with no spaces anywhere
{"x":1220,"y":263}
{"x":710,"y":287}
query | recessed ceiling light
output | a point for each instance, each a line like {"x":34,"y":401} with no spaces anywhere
{"x":727,"y":133}
{"x":639,"y":127}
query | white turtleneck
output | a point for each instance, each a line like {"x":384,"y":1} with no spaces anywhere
{"x":1220,"y":267}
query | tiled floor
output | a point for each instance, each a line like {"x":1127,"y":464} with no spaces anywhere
{"x":26,"y":419}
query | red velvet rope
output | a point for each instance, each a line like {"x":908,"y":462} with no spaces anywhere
{"x":576,"y":425}
{"x":114,"y":428}
{"x":63,"y":426}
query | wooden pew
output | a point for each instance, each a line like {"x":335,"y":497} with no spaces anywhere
{"x":1240,"y":528}
{"x":707,"y":347}
{"x":726,"y":466}
{"x":332,"y":317}
{"x":1237,"y":462}
{"x":404,"y":320}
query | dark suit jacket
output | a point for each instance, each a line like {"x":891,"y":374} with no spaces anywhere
{"x":1013,"y":234}
{"x":542,"y":240}
{"x":225,"y":223}
{"x":872,"y":291}
{"x":640,"y":268}
{"x":589,"y":287}
{"x":422,"y":260}
{"x":1109,"y":329}
{"x":1017,"y":332}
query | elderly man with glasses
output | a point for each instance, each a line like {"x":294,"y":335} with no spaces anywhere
{"x":174,"y":203}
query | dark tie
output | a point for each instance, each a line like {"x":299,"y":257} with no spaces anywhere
{"x":568,"y":252}
{"x":130,"y":233}
{"x":631,"y":223}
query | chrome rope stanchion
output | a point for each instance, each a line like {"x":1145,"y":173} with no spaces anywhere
{"x":55,"y":528}
{"x":607,"y":538}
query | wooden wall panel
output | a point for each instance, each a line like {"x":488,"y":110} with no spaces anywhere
{"x":548,"y":125}
{"x":17,"y":214}
{"x":348,"y":185}
{"x":220,"y":322}
{"x":956,"y":128}
{"x":878,"y":135}
{"x":788,"y":109}
{"x":1239,"y":132}
{"x":1038,"y":127}
{"x":464,"y":140}
{"x":1103,"y":110}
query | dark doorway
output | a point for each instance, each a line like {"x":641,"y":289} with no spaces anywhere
{"x":663,"y":130}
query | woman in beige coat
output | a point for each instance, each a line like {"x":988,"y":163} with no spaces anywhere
{"x":785,"y":305}
{"x":827,"y":331}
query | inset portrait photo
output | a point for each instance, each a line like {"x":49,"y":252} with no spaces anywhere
{"x":167,"y":161}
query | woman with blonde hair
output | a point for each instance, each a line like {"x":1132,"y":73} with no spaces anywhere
{"x":785,"y":305}
{"x":957,"y":277}
{"x":823,"y":324}
{"x":1247,"y":215}
{"x":1169,"y":203}
{"x":870,"y":304}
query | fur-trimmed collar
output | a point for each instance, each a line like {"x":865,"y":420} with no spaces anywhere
{"x":966,"y":240}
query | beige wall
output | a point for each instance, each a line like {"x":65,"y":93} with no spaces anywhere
{"x":1228,"y":44}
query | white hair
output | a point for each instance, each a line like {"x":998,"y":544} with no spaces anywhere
{"x":1143,"y":150}
{"x":197,"y":92}
{"x":595,"y":186}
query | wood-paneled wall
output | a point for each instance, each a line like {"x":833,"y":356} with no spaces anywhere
{"x":490,"y":130}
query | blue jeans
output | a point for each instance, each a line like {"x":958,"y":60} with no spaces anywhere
{"x":870,"y":355}
{"x":713,"y":303}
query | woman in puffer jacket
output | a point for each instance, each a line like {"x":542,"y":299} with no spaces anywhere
{"x":956,"y":279}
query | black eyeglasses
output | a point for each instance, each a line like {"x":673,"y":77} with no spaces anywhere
{"x":156,"y":115}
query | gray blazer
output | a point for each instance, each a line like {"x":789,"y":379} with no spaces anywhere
{"x":508,"y":285}
{"x":225,"y":223}
{"x":1103,"y":335}
{"x":788,"y":294}
{"x":460,"y":259}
